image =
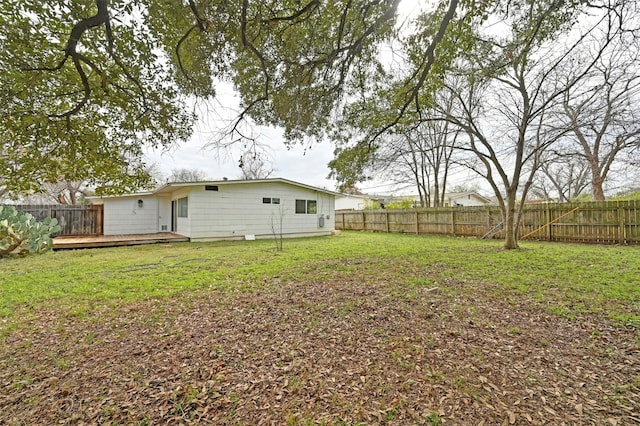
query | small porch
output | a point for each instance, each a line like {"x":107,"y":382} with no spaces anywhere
{"x":86,"y":241}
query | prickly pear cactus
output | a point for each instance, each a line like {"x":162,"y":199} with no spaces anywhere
{"x":21,"y":233}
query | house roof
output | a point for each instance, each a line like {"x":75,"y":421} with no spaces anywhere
{"x":362,"y":196}
{"x":456,"y":195}
{"x":171,"y":186}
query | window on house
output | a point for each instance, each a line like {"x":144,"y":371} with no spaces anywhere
{"x":211,"y":187}
{"x":312,"y":206}
{"x":301,"y":206}
{"x":266,"y":200}
{"x":275,"y":201}
{"x":306,"y":206}
{"x":183,"y":207}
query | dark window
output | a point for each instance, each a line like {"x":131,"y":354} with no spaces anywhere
{"x":211,"y":187}
{"x":306,"y":206}
{"x":301,"y":206}
{"x":312,"y":206}
{"x":183,"y":207}
{"x":275,"y":200}
{"x":266,"y":200}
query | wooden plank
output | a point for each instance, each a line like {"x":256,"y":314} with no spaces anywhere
{"x":73,"y":220}
{"x":599,"y":223}
{"x":77,"y":242}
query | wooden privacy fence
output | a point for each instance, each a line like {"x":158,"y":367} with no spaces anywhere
{"x":73,"y":220}
{"x":612,"y":222}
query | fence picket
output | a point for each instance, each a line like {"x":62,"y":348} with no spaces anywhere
{"x":73,"y":220}
{"x":614,"y":222}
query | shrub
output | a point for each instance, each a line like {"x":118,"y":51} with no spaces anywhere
{"x":405,"y":203}
{"x":21,"y":233}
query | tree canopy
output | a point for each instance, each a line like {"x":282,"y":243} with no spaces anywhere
{"x":89,"y":83}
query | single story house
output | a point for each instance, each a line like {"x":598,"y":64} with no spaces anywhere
{"x":454,"y":199}
{"x":352,"y":202}
{"x":346,"y":202}
{"x":226,"y":209}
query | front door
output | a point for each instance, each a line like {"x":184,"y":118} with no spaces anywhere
{"x":174,"y":216}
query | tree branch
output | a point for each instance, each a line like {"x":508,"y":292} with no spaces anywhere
{"x":430,"y":60}
{"x":313,"y":4}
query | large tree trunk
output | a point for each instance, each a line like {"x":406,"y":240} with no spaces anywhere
{"x":510,"y":230}
{"x":436,"y":193}
{"x":596,"y":188}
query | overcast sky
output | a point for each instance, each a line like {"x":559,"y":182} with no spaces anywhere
{"x":296,"y":163}
{"x":306,"y":166}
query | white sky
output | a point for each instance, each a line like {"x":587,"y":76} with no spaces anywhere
{"x":296,"y":163}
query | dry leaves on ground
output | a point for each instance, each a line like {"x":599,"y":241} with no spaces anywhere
{"x":331,"y":351}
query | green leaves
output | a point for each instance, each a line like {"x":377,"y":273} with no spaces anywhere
{"x":350,"y":164}
{"x":21,"y":234}
{"x":84,"y":117}
{"x":84,"y":107}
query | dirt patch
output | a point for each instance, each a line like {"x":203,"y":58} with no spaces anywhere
{"x":341,"y":350}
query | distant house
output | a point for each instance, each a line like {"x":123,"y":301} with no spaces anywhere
{"x":466,"y":199}
{"x":453,"y":199}
{"x":227,"y":209}
{"x":352,"y":202}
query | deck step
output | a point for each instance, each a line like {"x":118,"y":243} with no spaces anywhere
{"x":77,"y":242}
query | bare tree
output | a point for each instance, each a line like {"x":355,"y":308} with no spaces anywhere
{"x":561,"y":177}
{"x":63,"y":191}
{"x":156,"y":174}
{"x":507,"y":104}
{"x":254,"y":166}
{"x":420,"y":157}
{"x":68,"y":192}
{"x":187,"y":175}
{"x":603,"y":114}
{"x":277,"y":226}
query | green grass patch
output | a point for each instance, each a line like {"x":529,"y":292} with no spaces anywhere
{"x":570,"y":279}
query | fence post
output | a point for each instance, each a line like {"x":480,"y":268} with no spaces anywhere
{"x":548,"y":220}
{"x":453,"y":221}
{"x":364,"y":221}
{"x":101,"y":219}
{"x":622,"y":233}
{"x":417,"y":224}
{"x":386,"y":215}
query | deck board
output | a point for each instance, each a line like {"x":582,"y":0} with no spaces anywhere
{"x":75,"y":242}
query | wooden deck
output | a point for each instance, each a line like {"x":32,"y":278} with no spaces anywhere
{"x":76,"y":242}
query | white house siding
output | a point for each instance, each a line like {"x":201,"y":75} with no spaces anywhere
{"x":351,"y":202}
{"x":466,"y":200}
{"x":236,"y":210}
{"x":123,"y":215}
